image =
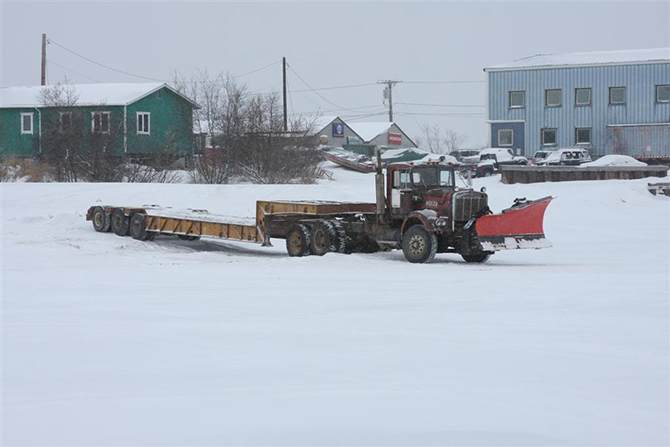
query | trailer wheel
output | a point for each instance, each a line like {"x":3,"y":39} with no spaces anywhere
{"x":340,"y":236}
{"x":419,"y":245}
{"x":138,"y":226}
{"x":101,"y":220}
{"x":298,"y":241}
{"x":480,"y":257}
{"x":120,"y":222}
{"x":322,"y":233}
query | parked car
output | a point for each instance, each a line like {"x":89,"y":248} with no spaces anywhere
{"x":569,"y":156}
{"x":539,"y":157}
{"x":492,"y":158}
{"x":466,"y":156}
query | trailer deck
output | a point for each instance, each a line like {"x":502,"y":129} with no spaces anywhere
{"x":273,"y":218}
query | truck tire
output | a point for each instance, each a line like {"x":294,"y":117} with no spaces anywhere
{"x":480,"y":257}
{"x":101,"y":220}
{"x":138,"y":226}
{"x":298,"y":241}
{"x":419,"y":245}
{"x":324,"y":238}
{"x":120,"y":222}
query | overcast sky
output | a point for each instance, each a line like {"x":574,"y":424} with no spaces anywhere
{"x":327,"y":44}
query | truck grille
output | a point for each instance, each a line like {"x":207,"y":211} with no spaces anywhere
{"x":468,"y":204}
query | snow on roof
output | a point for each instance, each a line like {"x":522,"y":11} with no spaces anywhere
{"x":116,"y":94}
{"x":589,"y":58}
{"x":369,"y":131}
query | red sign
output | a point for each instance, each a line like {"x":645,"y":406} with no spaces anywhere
{"x":394,"y":138}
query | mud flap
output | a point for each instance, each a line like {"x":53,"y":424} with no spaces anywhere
{"x":517,"y":227}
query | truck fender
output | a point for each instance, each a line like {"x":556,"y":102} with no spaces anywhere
{"x":426,"y":218}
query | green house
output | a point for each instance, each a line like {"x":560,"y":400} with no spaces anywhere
{"x":135,"y":120}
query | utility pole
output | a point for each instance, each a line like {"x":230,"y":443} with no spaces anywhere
{"x":388,"y":94}
{"x":285,"y":115}
{"x":44,"y":59}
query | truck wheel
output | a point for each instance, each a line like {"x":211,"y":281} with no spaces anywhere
{"x":101,"y":220}
{"x":120,"y":222}
{"x":419,"y":245}
{"x":340,"y":236}
{"x":323,"y":238}
{"x":298,"y":241}
{"x":477,"y":257}
{"x":138,"y":226}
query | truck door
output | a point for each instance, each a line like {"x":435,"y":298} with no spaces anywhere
{"x":401,"y":181}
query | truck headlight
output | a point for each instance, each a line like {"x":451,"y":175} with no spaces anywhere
{"x":441,"y":222}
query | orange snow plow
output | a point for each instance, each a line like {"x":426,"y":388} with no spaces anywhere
{"x":520,"y":226}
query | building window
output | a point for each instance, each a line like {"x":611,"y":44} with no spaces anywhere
{"x":26,"y":124}
{"x":663,"y":93}
{"x":583,"y":135}
{"x":548,"y":137}
{"x":582,"y":96}
{"x":160,"y":94}
{"x":143,"y":123}
{"x":100,"y":122}
{"x":517,"y":99}
{"x":617,"y":95}
{"x":65,"y":121}
{"x":505,"y":137}
{"x":552,"y":98}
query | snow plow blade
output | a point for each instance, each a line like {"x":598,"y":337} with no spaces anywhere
{"x":517,"y":227}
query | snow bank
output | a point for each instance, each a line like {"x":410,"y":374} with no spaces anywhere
{"x":613,"y":160}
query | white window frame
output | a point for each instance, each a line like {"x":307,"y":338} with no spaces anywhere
{"x":625,"y":96}
{"x":542,"y":131}
{"x":143,"y":131}
{"x":577,"y":129}
{"x":523,"y":103}
{"x":657,"y":90}
{"x":32,"y":126}
{"x":560,"y":97}
{"x":109,"y":122}
{"x":577,"y":103}
{"x":506,"y":130}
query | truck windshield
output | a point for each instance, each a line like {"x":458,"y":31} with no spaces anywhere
{"x":432,"y":176}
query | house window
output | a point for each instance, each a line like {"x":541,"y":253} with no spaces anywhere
{"x":582,"y":96}
{"x":65,"y":121}
{"x":100,"y":122}
{"x":160,"y":94}
{"x":583,"y":135}
{"x":548,"y":137}
{"x":143,"y":122}
{"x":663,"y":93}
{"x":517,"y":99}
{"x":505,"y":137}
{"x":26,"y":124}
{"x":617,"y":95}
{"x":552,"y":98}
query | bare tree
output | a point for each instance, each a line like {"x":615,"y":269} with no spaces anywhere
{"x":438,"y":140}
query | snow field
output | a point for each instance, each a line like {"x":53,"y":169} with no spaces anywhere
{"x":112,"y":341}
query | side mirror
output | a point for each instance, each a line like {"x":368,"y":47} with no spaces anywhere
{"x":483,"y":189}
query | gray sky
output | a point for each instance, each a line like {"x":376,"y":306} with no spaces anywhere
{"x":327,"y":44}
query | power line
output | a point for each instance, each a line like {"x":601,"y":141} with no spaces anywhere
{"x":315,"y":92}
{"x":444,"y":82}
{"x":72,"y":71}
{"x":439,"y":105}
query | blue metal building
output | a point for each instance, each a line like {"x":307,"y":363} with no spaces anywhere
{"x":610,"y":102}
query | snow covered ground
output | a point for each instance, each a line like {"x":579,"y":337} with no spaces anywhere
{"x":111,"y":341}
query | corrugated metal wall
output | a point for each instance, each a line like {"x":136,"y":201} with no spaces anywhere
{"x":640,"y":108}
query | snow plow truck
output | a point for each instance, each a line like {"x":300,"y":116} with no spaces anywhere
{"x":418,"y":209}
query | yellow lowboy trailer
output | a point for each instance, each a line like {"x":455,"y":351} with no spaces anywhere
{"x":274,"y":219}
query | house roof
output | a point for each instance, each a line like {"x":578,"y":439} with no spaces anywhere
{"x":369,"y":131}
{"x":117,"y":94}
{"x":648,"y":55}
